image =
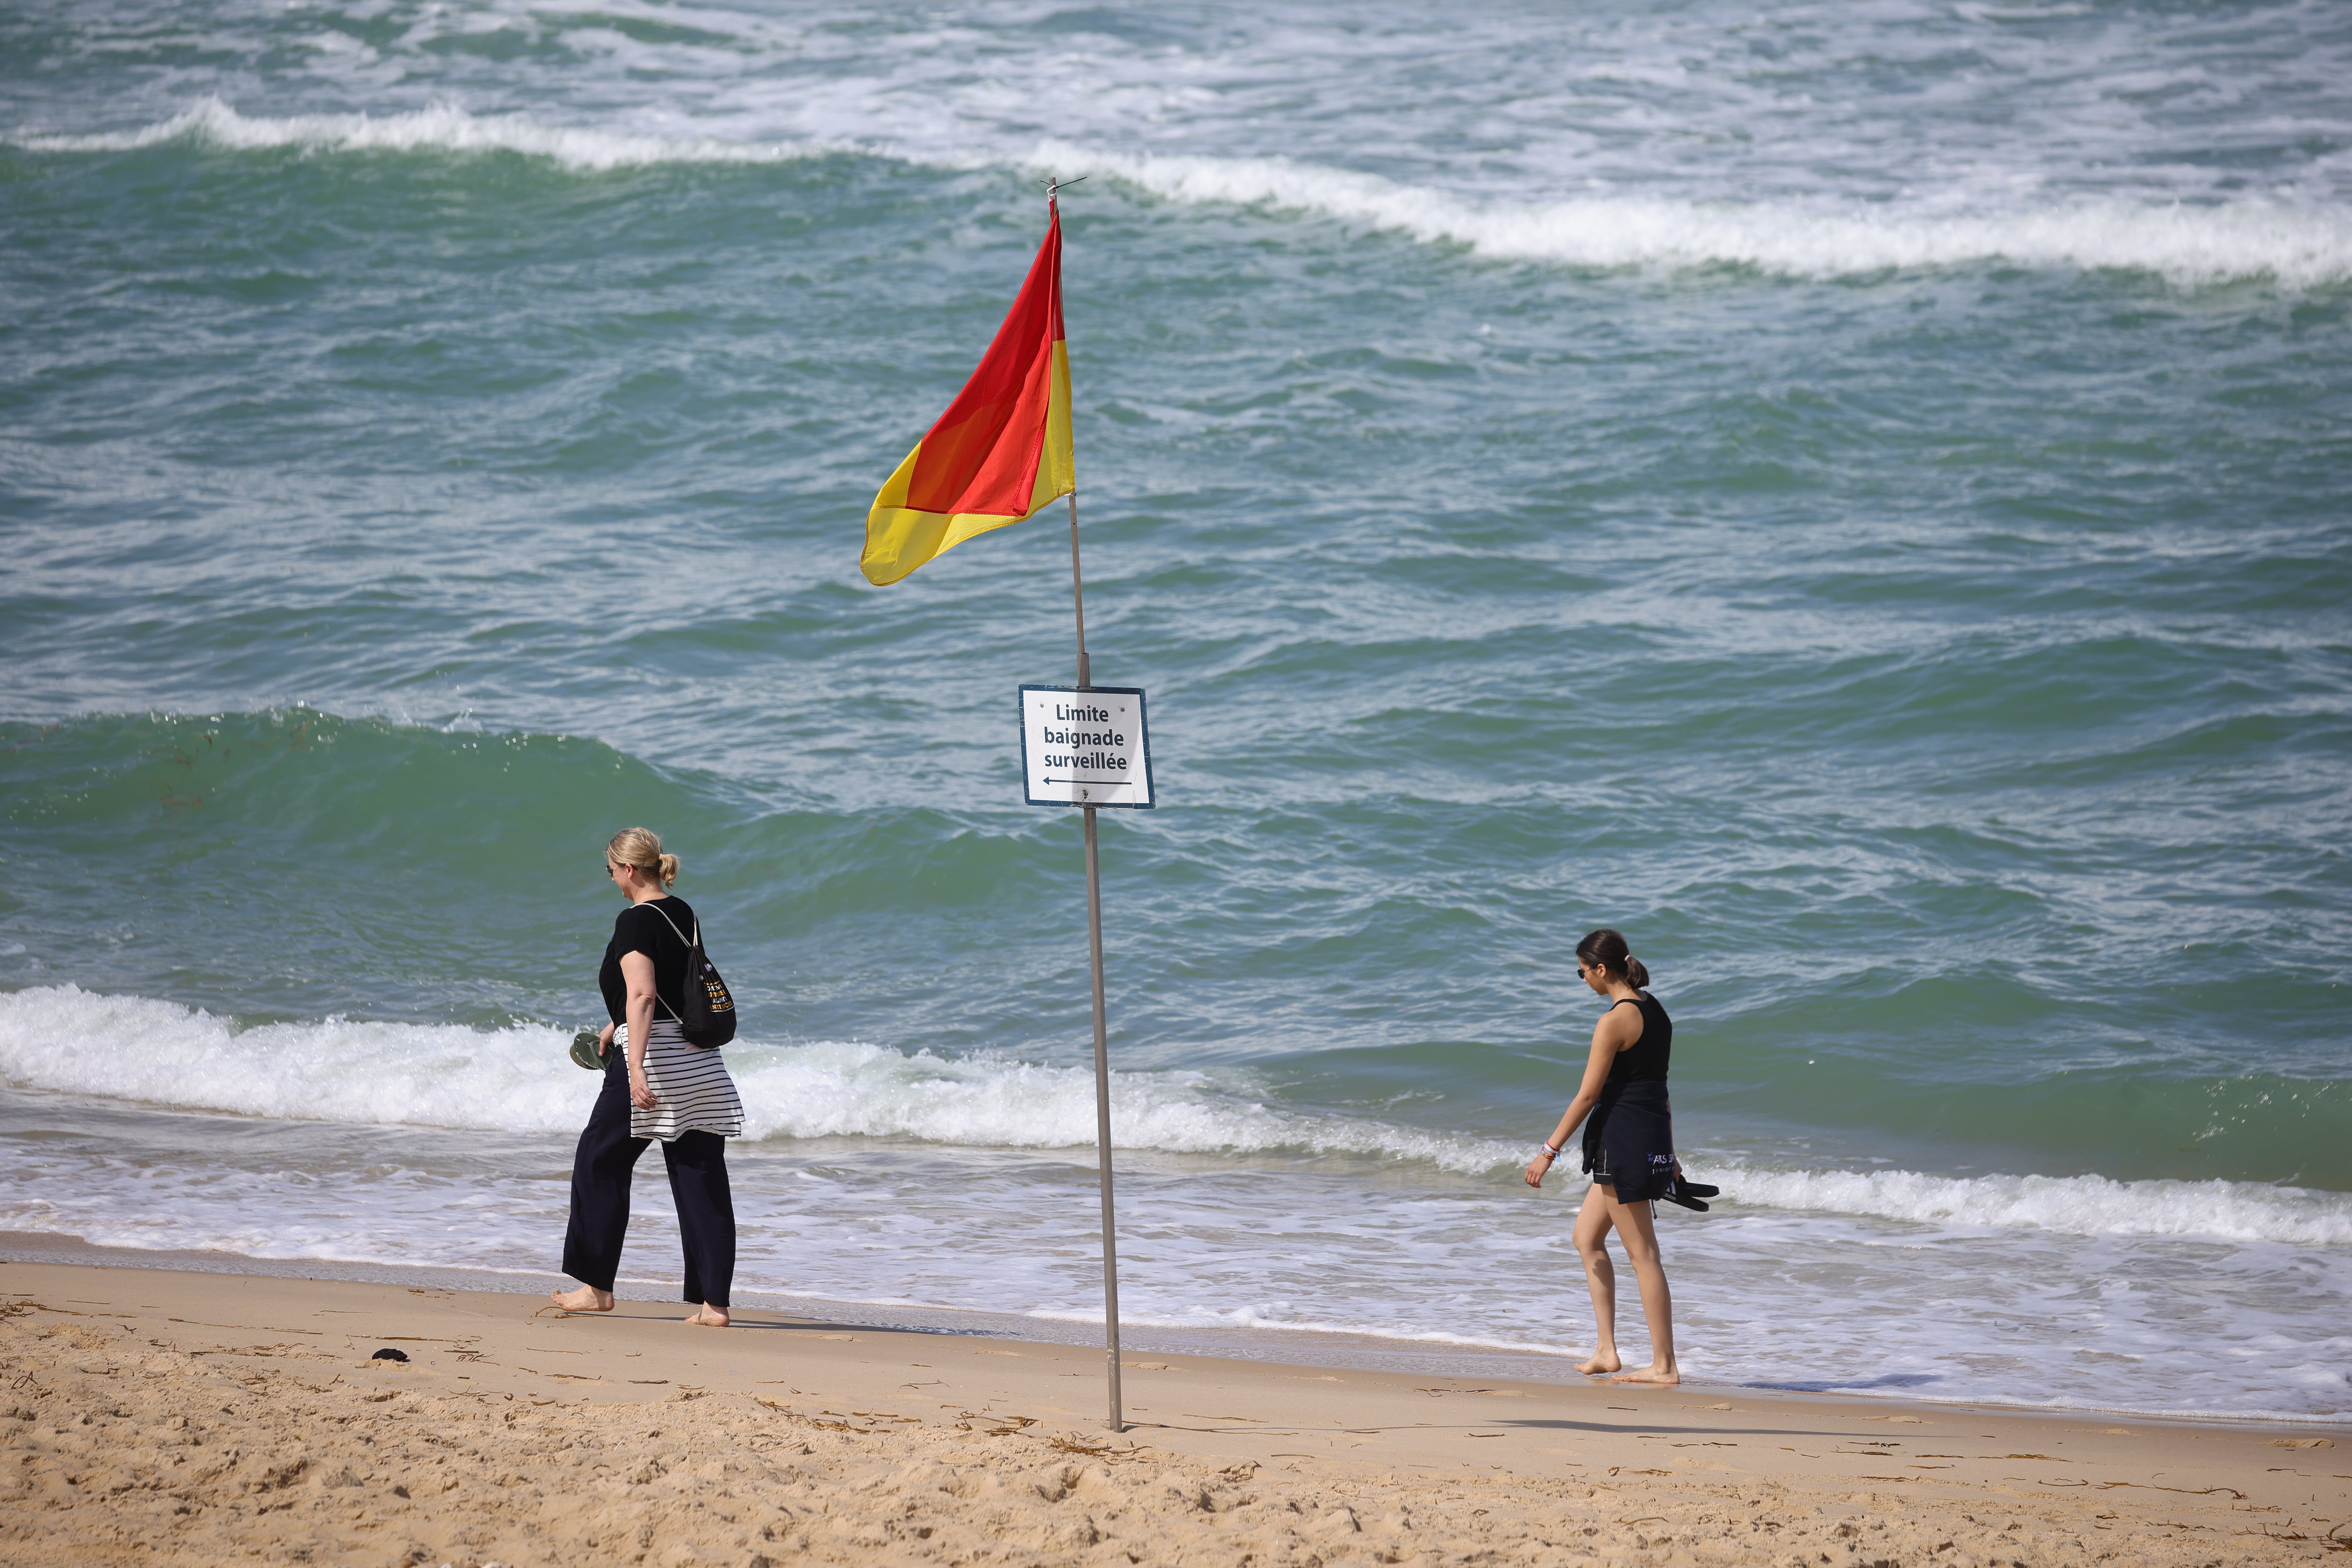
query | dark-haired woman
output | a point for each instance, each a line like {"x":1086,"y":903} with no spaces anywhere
{"x":1629,"y":1150}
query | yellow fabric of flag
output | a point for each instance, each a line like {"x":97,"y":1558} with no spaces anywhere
{"x":1003,"y":449}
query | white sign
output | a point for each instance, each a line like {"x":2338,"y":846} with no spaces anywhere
{"x":1084,"y":745}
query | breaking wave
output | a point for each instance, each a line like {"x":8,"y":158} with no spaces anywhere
{"x":442,"y":128}
{"x":518,"y":1078}
{"x":2190,"y":244}
{"x":2185,"y":244}
{"x":65,"y":1039}
{"x":2085,"y":1205}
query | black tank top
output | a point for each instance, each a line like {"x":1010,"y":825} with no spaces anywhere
{"x":1645,"y":1061}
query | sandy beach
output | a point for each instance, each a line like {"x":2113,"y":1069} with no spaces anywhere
{"x":1850,"y":499}
{"x":169,"y":1417}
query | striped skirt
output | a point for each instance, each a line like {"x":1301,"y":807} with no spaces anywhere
{"x":691,"y":1087}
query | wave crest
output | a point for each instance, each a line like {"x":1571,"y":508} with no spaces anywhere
{"x":518,"y":1078}
{"x":2297,"y":247}
{"x":439,"y":127}
{"x":65,"y":1039}
{"x":2185,"y":244}
{"x":2082,"y":1205}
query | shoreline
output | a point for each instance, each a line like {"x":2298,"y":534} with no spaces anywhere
{"x":170,"y":1416}
{"x":1915,"y":1282}
{"x":1273,"y":1346}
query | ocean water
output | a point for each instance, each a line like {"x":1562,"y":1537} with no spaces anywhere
{"x":1855,"y":497}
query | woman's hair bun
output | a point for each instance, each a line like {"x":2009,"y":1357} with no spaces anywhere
{"x":1606,"y":949}
{"x":641,"y":848}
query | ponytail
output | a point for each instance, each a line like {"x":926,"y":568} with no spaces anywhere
{"x":1606,"y":950}
{"x":641,"y":848}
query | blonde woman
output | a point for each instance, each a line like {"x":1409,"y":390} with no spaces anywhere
{"x":657,"y":1086}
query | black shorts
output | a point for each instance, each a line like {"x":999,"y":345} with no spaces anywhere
{"x":1628,"y":1142}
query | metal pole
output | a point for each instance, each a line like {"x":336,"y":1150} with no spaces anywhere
{"x":1079,"y":594}
{"x":1118,"y":1422}
{"x":1102,"y":1125}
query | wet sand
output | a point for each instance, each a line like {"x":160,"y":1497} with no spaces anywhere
{"x":162,"y":1417}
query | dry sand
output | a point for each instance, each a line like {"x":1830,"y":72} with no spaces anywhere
{"x":165,"y":1418}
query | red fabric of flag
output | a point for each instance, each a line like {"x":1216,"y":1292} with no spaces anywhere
{"x":967,"y":464}
{"x":1000,"y":451}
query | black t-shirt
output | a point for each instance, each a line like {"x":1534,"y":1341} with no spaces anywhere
{"x":640,"y":929}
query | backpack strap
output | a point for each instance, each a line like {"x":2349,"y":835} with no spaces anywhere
{"x":691,"y":949}
{"x":696,"y":942}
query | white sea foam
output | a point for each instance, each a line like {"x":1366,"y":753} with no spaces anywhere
{"x":844,"y":1090}
{"x":160,"y":1053}
{"x":517,"y":1079}
{"x":443,"y":128}
{"x":2189,"y":244}
{"x":2085,"y":1205}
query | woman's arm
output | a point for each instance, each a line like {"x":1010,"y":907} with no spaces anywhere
{"x":1616,"y":1030}
{"x":637,"y":971}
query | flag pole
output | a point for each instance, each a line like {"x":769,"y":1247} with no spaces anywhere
{"x":1118,"y":1422}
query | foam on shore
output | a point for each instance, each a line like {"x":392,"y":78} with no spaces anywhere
{"x":518,"y":1080}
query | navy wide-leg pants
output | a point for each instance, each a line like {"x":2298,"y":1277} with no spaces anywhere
{"x":601,"y":1169}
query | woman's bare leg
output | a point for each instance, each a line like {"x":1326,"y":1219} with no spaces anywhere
{"x":1600,"y":1277}
{"x":587,"y":1299}
{"x":1635,"y":1229}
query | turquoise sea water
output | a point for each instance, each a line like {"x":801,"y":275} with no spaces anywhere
{"x":1855,"y":497}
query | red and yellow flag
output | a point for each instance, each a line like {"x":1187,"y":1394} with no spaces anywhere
{"x":1002,"y":450}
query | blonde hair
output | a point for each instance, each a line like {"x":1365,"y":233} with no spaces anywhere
{"x":641,"y":848}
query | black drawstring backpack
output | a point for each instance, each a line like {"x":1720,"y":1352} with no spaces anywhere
{"x":708,"y":1018}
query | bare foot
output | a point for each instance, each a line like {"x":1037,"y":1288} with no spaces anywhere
{"x":709,"y":1317}
{"x":1602,"y":1361}
{"x":587,"y":1299}
{"x":1667,"y":1376}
